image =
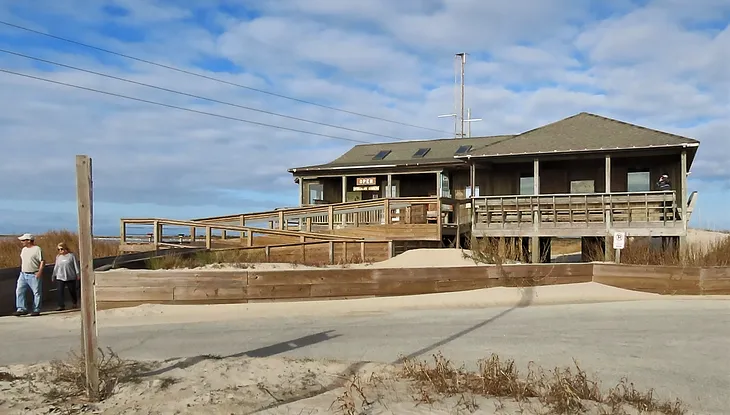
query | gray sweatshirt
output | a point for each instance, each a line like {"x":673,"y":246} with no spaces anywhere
{"x":66,"y":267}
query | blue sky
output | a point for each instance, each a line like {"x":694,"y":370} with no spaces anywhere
{"x":663,"y":64}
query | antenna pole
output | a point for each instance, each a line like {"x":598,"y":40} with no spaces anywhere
{"x":468,"y":127}
{"x":463,"y":63}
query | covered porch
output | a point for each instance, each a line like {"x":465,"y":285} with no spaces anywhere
{"x":591,"y":195}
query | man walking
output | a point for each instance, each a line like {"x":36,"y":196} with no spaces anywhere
{"x":31,"y":271}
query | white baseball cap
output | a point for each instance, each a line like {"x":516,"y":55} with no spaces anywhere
{"x":26,"y":237}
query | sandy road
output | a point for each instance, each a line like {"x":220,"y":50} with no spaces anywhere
{"x":677,"y":346}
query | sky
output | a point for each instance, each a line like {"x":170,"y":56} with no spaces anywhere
{"x":662,"y":64}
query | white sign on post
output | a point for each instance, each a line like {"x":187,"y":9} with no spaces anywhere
{"x":619,"y":240}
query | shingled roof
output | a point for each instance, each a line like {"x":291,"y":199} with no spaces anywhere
{"x":403,"y":153}
{"x":583,"y":132}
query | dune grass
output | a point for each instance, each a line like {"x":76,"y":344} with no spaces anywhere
{"x":10,"y":248}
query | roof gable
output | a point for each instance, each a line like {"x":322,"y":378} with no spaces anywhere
{"x":583,"y":132}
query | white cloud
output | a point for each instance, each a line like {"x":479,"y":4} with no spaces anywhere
{"x":664,"y":65}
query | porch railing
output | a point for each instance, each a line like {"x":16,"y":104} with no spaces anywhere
{"x":405,"y":210}
{"x":578,"y":209}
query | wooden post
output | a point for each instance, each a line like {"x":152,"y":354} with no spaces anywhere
{"x":330,"y":217}
{"x":386,"y":211}
{"x":249,"y":237}
{"x":267,"y":253}
{"x":390,"y":249}
{"x":281,"y":220}
{"x":242,"y":223}
{"x":308,"y":225}
{"x":683,"y":208}
{"x":344,"y":189}
{"x":331,"y":247}
{"x":156,"y":237}
{"x":389,"y":191}
{"x":456,"y":208}
{"x":362,"y":251}
{"x":608,"y":174}
{"x":344,"y":253}
{"x":208,"y":237}
{"x":536,"y":176}
{"x":224,"y":234}
{"x":122,"y":231}
{"x":84,"y":190}
{"x":192,"y":235}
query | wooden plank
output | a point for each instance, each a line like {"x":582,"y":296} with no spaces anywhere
{"x":134,"y":293}
{"x":181,"y":293}
{"x":715,"y":281}
{"x":655,"y":279}
{"x":278,"y":291}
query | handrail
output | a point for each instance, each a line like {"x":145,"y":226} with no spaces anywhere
{"x":317,"y":208}
{"x":219,"y":226}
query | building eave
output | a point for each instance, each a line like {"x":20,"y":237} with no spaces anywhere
{"x":573,"y":151}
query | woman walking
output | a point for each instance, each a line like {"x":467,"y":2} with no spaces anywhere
{"x":66,"y":274}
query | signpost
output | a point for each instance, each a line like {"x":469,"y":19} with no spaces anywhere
{"x":619,"y":243}
{"x":84,"y":197}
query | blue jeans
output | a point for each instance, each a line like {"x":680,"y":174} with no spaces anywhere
{"x":28,"y":280}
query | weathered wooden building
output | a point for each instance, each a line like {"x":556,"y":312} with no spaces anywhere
{"x":585,"y":176}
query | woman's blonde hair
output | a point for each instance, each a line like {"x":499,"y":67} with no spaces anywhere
{"x":62,"y":245}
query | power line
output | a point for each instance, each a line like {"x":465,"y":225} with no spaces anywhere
{"x":172,"y":68}
{"x":195,"y":96}
{"x":180,"y":108}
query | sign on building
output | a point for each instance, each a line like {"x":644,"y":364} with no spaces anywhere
{"x":366,"y":181}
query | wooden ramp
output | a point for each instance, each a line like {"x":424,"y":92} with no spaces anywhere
{"x":391,"y":219}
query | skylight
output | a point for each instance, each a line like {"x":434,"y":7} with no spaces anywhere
{"x":462,"y":150}
{"x":381,"y":154}
{"x":421,"y":152}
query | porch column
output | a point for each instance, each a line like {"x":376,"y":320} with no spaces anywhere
{"x":389,"y":190}
{"x":438,"y":184}
{"x":536,"y":176}
{"x":301,"y":191}
{"x":344,"y":189}
{"x":472,"y":183}
{"x":535,"y":240}
{"x":608,"y":174}
{"x":683,"y":207}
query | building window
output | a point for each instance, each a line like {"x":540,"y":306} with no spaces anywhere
{"x":582,"y":186}
{"x":527,"y":185}
{"x":381,"y":155}
{"x":476,"y":191}
{"x":421,"y":152}
{"x":462,"y":150}
{"x":316,"y":193}
{"x":639,"y":181}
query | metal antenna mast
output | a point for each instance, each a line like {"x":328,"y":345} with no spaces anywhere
{"x":459,"y":118}
{"x":462,"y":55}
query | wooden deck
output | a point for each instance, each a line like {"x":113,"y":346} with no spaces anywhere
{"x":576,"y":215}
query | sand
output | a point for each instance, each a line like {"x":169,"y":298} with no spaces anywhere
{"x":214,"y":385}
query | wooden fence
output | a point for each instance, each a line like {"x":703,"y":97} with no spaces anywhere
{"x":120,"y":288}
{"x":127,"y":288}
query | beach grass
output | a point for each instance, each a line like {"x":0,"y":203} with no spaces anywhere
{"x":10,"y":248}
